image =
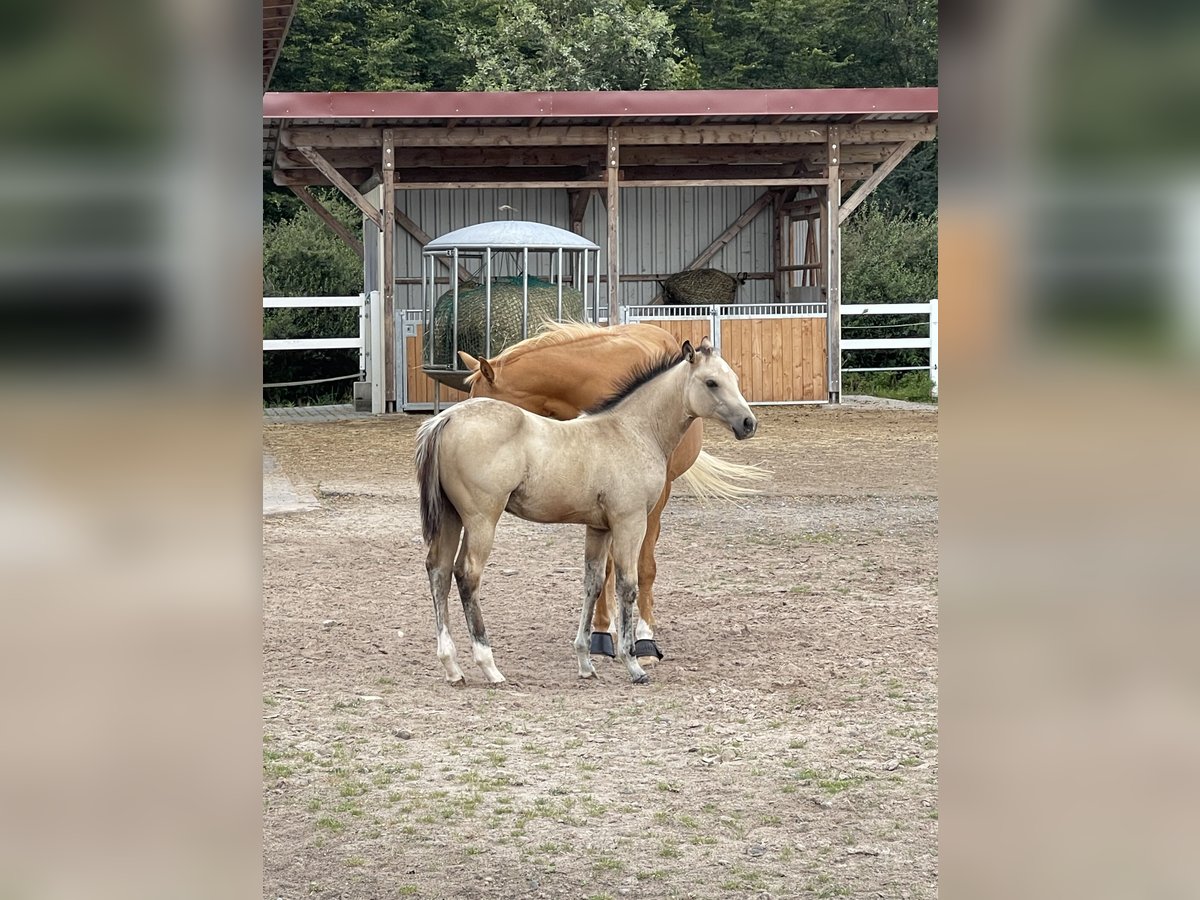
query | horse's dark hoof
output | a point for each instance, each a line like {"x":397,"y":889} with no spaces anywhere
{"x":602,"y":643}
{"x":642,"y":679}
{"x":646,"y":648}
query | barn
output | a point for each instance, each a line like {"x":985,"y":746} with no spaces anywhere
{"x":753,"y":183}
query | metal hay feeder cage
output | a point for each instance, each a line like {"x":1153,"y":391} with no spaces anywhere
{"x":502,"y":302}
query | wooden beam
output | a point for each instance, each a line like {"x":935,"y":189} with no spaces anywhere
{"x":582,"y":135}
{"x":423,"y":237}
{"x":833,"y":295}
{"x":761,"y":181}
{"x":328,"y":218}
{"x":748,"y":215}
{"x":289,"y":177}
{"x":336,"y":179}
{"x":510,"y":182}
{"x":885,"y":168}
{"x":613,"y":249}
{"x":388,"y":228}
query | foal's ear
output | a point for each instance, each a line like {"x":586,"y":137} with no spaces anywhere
{"x":468,"y":360}
{"x":706,"y":346}
{"x":688,"y":353}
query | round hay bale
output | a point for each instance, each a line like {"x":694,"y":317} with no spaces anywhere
{"x":699,"y":286}
{"x":506,"y":316}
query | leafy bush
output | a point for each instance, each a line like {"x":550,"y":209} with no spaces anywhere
{"x":888,"y":259}
{"x":303,"y":258}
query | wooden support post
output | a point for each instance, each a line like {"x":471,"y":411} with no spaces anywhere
{"x":336,"y":179}
{"x":864,"y":189}
{"x":833,"y":244}
{"x":388,"y":228}
{"x":613,"y":248}
{"x":327,"y":217}
{"x":777,"y":246}
{"x":579,"y":204}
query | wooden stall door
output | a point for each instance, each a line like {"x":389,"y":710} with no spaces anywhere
{"x":778,"y":360}
{"x":420,"y":385}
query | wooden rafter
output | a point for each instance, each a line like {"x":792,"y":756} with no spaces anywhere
{"x":854,"y":200}
{"x":328,"y":218}
{"x":336,"y":179}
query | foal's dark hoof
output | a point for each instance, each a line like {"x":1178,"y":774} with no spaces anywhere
{"x":602,"y":643}
{"x":646,"y":648}
{"x":642,"y":679}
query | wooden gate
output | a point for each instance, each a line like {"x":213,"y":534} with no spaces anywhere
{"x":779,"y":350}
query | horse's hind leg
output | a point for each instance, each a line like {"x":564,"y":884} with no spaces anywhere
{"x":468,"y":569}
{"x":595,"y":557}
{"x":439,"y":563}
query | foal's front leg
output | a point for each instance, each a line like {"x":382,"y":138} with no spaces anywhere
{"x":627,"y":541}
{"x":595,"y":556}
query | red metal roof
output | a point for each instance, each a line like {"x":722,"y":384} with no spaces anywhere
{"x":823,"y":102}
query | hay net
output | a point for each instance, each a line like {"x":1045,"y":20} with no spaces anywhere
{"x":507,"y":306}
{"x":699,"y":286}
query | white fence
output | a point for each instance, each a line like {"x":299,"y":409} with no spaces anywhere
{"x":368,"y":342}
{"x":929,"y":343}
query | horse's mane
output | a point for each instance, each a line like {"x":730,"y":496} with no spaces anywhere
{"x":647,"y":371}
{"x":551,"y":335}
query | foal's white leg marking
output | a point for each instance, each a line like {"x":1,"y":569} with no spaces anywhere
{"x":643,"y":632}
{"x":483,"y":658}
{"x":446,"y":654}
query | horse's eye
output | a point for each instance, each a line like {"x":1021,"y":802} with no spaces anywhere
{"x":711,"y":383}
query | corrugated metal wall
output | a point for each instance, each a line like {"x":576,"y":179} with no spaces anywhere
{"x":662,"y":230}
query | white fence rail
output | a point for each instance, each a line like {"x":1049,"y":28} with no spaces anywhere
{"x":929,"y":343}
{"x":368,"y":342}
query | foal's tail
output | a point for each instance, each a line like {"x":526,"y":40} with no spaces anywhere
{"x":714,"y":478}
{"x":429,"y":479}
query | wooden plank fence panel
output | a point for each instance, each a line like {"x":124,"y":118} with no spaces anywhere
{"x":420,"y":385}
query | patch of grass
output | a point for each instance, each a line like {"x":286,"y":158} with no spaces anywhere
{"x":668,"y":787}
{"x":355,"y":861}
{"x":608,"y":864}
{"x":329,"y":823}
{"x":313,"y":805}
{"x":830,"y":785}
{"x":276,"y":770}
{"x":915,"y":387}
{"x":669,"y":850}
{"x":653,"y":875}
{"x":407,"y":890}
{"x":353,"y":789}
{"x":800,"y":589}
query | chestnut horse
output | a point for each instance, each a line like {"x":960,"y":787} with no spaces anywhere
{"x":481,"y":458}
{"x":571,"y":367}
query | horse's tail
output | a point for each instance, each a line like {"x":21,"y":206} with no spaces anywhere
{"x":429,"y":479}
{"x":713,"y":478}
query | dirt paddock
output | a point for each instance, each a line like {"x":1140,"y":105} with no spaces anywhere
{"x":787,"y":746}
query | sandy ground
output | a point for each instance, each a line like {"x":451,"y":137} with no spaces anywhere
{"x":787,"y":746}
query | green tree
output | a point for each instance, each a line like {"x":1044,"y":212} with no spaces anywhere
{"x":377,"y":45}
{"x":575,"y":45}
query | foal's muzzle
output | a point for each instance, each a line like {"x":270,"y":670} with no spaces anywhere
{"x":745,"y":428}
